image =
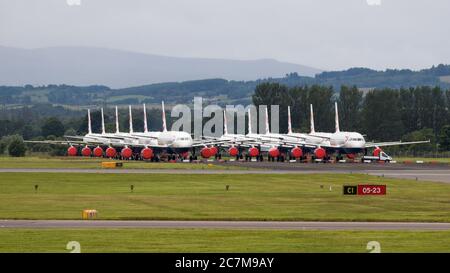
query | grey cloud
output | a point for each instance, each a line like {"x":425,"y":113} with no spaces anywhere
{"x":327,"y":34}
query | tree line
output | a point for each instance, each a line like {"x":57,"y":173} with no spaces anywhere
{"x":381,"y":114}
{"x":218,"y":90}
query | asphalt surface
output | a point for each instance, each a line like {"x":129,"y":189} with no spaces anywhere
{"x":420,"y":172}
{"x":338,"y":166}
{"x":437,"y":172}
{"x":224,"y":225}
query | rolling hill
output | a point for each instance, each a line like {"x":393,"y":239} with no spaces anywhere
{"x":118,"y":69}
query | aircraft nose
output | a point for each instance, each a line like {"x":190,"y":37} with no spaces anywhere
{"x":360,"y":144}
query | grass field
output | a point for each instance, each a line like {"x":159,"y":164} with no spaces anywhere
{"x":198,"y":240}
{"x":250,"y":197}
{"x":424,"y":159}
{"x":95,"y":163}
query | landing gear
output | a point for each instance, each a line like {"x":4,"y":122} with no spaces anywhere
{"x":258,"y":158}
{"x":281,"y":158}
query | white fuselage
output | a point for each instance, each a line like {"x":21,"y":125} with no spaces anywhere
{"x":345,"y":140}
{"x":175,"y":139}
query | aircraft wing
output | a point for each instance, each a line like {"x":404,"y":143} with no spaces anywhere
{"x":224,"y":142}
{"x":139,"y":145}
{"x":136,"y":137}
{"x":74,"y":137}
{"x":323,"y":137}
{"x":203,"y":144}
{"x":293,"y":144}
{"x":394,"y":143}
{"x":100,"y":143}
{"x":210,"y":138}
{"x":113,"y":137}
{"x":291,"y":137}
{"x":56,"y":142}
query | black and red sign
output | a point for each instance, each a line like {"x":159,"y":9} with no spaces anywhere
{"x":365,"y":190}
{"x":371,"y":189}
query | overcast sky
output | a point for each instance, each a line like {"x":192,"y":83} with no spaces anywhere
{"x":327,"y":34}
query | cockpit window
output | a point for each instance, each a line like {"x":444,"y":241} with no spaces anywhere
{"x":356,"y":139}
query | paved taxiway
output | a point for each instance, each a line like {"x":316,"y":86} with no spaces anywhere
{"x":224,"y":225}
{"x":421,"y":172}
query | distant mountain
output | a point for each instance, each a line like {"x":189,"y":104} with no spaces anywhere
{"x":117,"y":69}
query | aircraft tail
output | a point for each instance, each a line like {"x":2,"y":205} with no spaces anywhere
{"x":267,"y":122}
{"x":336,"y":117}
{"x":289,"y":121}
{"x":312,"y":119}
{"x":103,"y":122}
{"x":249,"y":122}
{"x":164,"y":117}
{"x":131,"y":119}
{"x":145,"y":120}
{"x":117,"y":121}
{"x":225,"y":126}
{"x":89,"y":122}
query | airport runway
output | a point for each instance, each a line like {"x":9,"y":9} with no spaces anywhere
{"x":338,"y":166}
{"x":420,"y":172}
{"x":224,"y":225}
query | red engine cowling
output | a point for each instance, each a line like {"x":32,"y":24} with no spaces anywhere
{"x":320,"y":153}
{"x":147,"y":153}
{"x":98,"y":152}
{"x":86,"y":151}
{"x":213,"y":150}
{"x":205,"y":152}
{"x":184,"y":154}
{"x":253,"y":152}
{"x":72,"y":151}
{"x":126,"y":153}
{"x":111,"y":152}
{"x":351,"y":156}
{"x":297,"y":152}
{"x":233,"y":151}
{"x":377,"y":151}
{"x":274,"y":152}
